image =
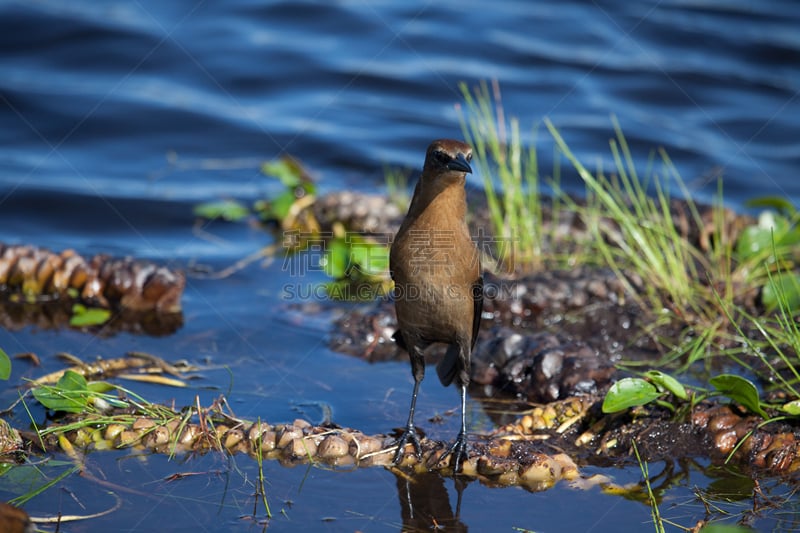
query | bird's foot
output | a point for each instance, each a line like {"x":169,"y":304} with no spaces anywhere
{"x":409,"y":435}
{"x":459,"y":452}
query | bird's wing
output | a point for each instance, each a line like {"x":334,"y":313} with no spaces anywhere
{"x":452,"y":364}
{"x":477,"y":302}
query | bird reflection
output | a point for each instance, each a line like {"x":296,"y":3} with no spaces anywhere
{"x":425,"y":502}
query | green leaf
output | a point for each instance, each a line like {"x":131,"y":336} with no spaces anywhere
{"x":70,"y":394}
{"x":726,"y":528}
{"x":229,"y":210}
{"x":286,"y":170}
{"x":5,"y":365}
{"x":100,"y":386}
{"x":755,"y":240}
{"x":371,"y":258}
{"x":337,"y":258}
{"x":72,"y":381}
{"x":667,"y":382}
{"x":740,"y":390}
{"x":793,"y":407}
{"x":279,"y":207}
{"x":627,"y":393}
{"x":778,"y":203}
{"x":88,"y":316}
{"x":784,"y":286}
{"x":772,"y":231}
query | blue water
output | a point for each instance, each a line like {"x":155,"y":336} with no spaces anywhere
{"x":95,"y":95}
{"x":116,"y":118}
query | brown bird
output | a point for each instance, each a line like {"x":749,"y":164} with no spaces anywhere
{"x":438,"y":285}
{"x":14,"y":520}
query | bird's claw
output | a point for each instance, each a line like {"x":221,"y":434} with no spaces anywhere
{"x":458,"y":450}
{"x":409,"y":435}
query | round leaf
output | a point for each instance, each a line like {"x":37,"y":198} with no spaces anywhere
{"x":283,"y":170}
{"x":5,"y":365}
{"x":782,"y":287}
{"x":725,"y":528}
{"x":100,"y":386}
{"x":72,"y":381}
{"x":762,"y":237}
{"x":778,"y":203}
{"x":667,"y":382}
{"x":740,"y":390}
{"x":793,"y":407}
{"x":627,"y":393}
{"x":70,"y":394}
{"x":337,"y":258}
{"x":280,"y":205}
{"x":88,"y":316}
{"x":371,"y":258}
{"x":229,"y":210}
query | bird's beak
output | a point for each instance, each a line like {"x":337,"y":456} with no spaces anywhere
{"x":460,"y":164}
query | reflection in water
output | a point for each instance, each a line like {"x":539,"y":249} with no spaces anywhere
{"x":15,"y":316}
{"x":425,"y":503}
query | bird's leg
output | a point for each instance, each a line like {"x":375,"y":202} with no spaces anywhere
{"x":459,"y":448}
{"x":460,"y":484}
{"x":410,"y":432}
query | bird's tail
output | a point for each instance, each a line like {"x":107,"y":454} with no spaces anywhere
{"x":450,"y":365}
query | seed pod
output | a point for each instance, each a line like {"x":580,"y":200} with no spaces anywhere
{"x":128,"y":438}
{"x":366,"y":445}
{"x":158,"y":436}
{"x":286,"y":435}
{"x":470,"y":466}
{"x":490,"y":466}
{"x":301,"y":448}
{"x":332,"y":447}
{"x":102,"y":281}
{"x":233,"y":438}
{"x":189,"y":434}
{"x":113,"y":431}
{"x":542,"y":471}
{"x":142,"y":423}
{"x":725,"y":440}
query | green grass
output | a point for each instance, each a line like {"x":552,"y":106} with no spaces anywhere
{"x":634,"y":234}
{"x":655,"y":513}
{"x":516,"y":211}
{"x":397,"y":187}
{"x":779,"y":336}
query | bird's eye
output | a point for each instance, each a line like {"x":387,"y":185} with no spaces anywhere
{"x":469,"y":157}
{"x":441,"y":157}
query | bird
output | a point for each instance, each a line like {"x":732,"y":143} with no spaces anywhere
{"x":15,"y":520}
{"x":438,"y":286}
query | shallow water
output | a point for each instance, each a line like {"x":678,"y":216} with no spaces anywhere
{"x":117,"y":118}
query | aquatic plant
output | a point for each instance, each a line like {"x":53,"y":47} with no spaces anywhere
{"x":515,"y":210}
{"x":696,"y":287}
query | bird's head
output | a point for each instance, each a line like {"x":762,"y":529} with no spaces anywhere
{"x":447,"y":158}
